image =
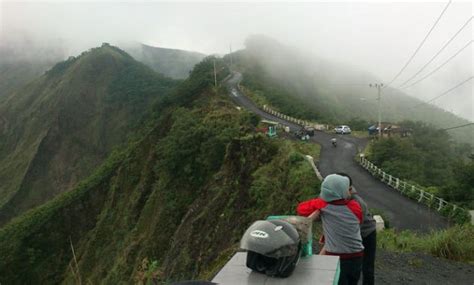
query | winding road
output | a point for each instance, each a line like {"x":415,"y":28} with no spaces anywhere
{"x":402,"y":212}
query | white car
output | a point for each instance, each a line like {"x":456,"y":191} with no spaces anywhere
{"x":343,"y":129}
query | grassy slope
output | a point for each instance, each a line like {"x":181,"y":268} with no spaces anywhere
{"x":14,"y":75}
{"x":455,"y":243}
{"x":22,"y":64}
{"x":58,"y":128}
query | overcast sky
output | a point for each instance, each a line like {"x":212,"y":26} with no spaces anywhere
{"x":378,"y":37}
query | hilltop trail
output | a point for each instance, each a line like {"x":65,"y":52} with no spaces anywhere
{"x":402,"y":212}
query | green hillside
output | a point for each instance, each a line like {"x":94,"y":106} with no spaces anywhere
{"x":17,"y":68}
{"x":58,"y":128}
{"x":171,"y":205}
{"x":14,"y":75}
{"x":173,"y":63}
{"x":305,"y":86}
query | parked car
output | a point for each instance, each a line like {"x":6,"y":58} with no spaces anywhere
{"x":343,"y":129}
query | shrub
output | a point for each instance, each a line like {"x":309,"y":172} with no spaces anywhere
{"x":455,"y":243}
{"x":295,"y":157}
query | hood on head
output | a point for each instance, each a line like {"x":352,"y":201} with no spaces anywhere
{"x":334,"y":187}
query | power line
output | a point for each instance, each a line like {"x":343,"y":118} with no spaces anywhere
{"x":445,"y":92}
{"x":348,"y":84}
{"x":436,"y":55}
{"x":420,"y":45}
{"x":443,"y":64}
{"x":461,"y":126}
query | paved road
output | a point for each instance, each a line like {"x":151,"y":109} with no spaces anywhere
{"x":403,"y":213}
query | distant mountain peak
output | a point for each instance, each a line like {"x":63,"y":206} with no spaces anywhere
{"x":174,"y":63}
{"x":56,"y":129}
{"x":103,"y":55}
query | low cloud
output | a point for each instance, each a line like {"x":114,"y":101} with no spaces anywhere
{"x":376,"y":37}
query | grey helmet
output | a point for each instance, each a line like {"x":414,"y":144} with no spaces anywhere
{"x":273,"y":247}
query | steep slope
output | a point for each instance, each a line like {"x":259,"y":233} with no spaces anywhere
{"x":18,"y":67}
{"x":172,"y":205}
{"x":303,"y":85}
{"x":173,"y":63}
{"x":55,"y":130}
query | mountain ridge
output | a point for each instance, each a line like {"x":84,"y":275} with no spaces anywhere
{"x":130,"y":213}
{"x":68,"y":120}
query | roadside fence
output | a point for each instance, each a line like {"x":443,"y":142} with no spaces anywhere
{"x":447,"y":209}
{"x":269,"y":110}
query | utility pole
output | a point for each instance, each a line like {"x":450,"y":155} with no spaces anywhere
{"x":230,"y":55}
{"x":215,"y":74}
{"x":379,"y":97}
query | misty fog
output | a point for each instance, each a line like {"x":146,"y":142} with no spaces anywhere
{"x":376,"y":38}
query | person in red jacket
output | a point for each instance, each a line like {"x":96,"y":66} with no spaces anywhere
{"x":369,"y":237}
{"x":341,"y":218}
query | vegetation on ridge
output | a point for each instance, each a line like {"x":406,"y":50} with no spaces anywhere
{"x":161,"y":204}
{"x":57,"y":129}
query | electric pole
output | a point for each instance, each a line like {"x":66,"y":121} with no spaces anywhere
{"x":379,"y":97}
{"x":215,"y":74}
{"x":230,"y":55}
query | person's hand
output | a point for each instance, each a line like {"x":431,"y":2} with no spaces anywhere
{"x":315,"y":215}
{"x":322,"y":251}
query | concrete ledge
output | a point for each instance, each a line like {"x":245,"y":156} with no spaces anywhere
{"x":316,"y":170}
{"x":315,"y":269}
{"x":379,"y":223}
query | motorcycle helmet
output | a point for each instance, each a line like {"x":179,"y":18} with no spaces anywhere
{"x":273,"y":247}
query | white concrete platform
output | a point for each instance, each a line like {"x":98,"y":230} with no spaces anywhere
{"x":315,"y":269}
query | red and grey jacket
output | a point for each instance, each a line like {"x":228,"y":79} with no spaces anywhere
{"x":341,"y":225}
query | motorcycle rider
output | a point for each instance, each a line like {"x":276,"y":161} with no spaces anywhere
{"x":334,"y":142}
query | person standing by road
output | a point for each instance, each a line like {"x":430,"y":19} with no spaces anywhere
{"x":341,"y":218}
{"x":369,"y":237}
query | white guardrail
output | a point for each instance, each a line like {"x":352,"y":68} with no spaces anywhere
{"x":414,"y":192}
{"x":269,"y":110}
{"x":446,"y":208}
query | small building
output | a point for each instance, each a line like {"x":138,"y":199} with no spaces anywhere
{"x":389,"y":129}
{"x":269,"y":128}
